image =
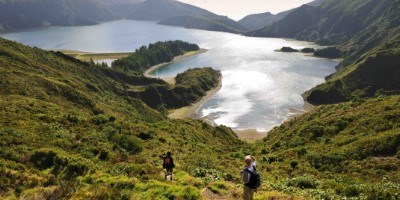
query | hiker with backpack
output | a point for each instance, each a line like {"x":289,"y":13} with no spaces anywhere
{"x":168,"y":165}
{"x":250,"y":177}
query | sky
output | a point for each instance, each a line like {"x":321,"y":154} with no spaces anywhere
{"x":237,"y":9}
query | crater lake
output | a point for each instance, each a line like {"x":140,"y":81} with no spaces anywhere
{"x":261,"y":88}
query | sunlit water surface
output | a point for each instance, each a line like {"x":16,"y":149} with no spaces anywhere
{"x":260,"y":87}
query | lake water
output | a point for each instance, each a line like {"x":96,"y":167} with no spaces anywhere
{"x":260,"y":87}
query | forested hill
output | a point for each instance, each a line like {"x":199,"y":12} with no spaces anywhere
{"x":151,"y":55}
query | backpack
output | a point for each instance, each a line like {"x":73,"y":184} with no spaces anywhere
{"x":168,"y":163}
{"x":255,"y":179}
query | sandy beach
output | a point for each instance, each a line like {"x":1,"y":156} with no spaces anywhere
{"x":191,"y":111}
{"x":250,"y":135}
{"x":86,"y":56}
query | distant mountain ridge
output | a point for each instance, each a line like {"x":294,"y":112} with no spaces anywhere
{"x":261,"y":20}
{"x":157,"y":10}
{"x":203,"y":23}
{"x":25,"y":14}
{"x":175,"y":13}
{"x":258,"y":21}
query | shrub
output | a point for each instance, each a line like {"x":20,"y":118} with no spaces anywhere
{"x":383,"y":144}
{"x":73,"y":168}
{"x":264,"y":151}
{"x":145,"y":135}
{"x":127,"y":142}
{"x":382,"y":195}
{"x":100,"y":119}
{"x":104,"y":155}
{"x":303,"y":182}
{"x":73,"y":118}
{"x":326,"y":162}
{"x":351,"y":191}
{"x":294,"y":164}
{"x":302,"y":151}
{"x":43,"y":159}
{"x":67,"y":166}
{"x":216,"y":187}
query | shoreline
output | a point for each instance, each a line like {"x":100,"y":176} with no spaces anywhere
{"x":252,"y":135}
{"x":249,"y":135}
{"x":86,"y":56}
{"x":191,"y":110}
{"x":175,"y":60}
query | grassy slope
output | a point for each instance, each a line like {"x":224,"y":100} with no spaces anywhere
{"x":367,"y":35}
{"x":349,"y":149}
{"x":374,"y":74}
{"x":370,"y":64}
{"x":68,"y":130}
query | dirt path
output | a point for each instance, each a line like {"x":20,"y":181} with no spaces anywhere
{"x":207,"y":194}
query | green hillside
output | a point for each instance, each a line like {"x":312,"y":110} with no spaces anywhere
{"x":376,"y":73}
{"x":330,"y":22}
{"x":366,"y":35}
{"x":70,"y":130}
{"x":73,"y":130}
{"x":370,"y":66}
{"x":347,"y":150}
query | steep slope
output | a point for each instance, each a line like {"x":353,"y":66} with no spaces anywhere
{"x":336,"y":151}
{"x":375,"y":74}
{"x":367,"y":35}
{"x":175,"y":13}
{"x":69,"y":130}
{"x":23,"y":14}
{"x":331,"y":22}
{"x":376,"y":69}
{"x":384,"y":31}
